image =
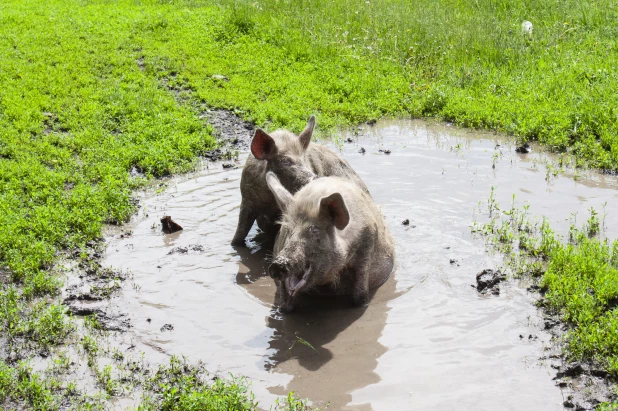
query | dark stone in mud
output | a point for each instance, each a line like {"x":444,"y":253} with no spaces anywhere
{"x":362,"y":150}
{"x":405,"y":222}
{"x":384,"y":151}
{"x":148,"y":319}
{"x":170,"y":226}
{"x":568,"y":404}
{"x":197,"y":247}
{"x":599,"y":373}
{"x":167,"y":327}
{"x":571,"y":370}
{"x":550,"y":323}
{"x":349,"y":140}
{"x":488,"y":280}
{"x":453,"y":261}
{"x":525,"y":149}
{"x":229,"y":165}
{"x":178,"y":250}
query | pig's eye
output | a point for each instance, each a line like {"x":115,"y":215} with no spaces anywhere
{"x":285,"y":162}
{"x":313,"y":230}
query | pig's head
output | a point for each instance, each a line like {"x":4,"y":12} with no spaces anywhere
{"x":284,"y":153}
{"x":306,"y":251}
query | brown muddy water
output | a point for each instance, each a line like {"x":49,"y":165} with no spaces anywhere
{"x":427,"y":341}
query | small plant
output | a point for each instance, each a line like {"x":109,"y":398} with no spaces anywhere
{"x":303,"y":342}
{"x":593,"y":224}
{"x":492,"y":205}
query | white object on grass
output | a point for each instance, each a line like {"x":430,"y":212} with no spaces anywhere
{"x":526,"y":28}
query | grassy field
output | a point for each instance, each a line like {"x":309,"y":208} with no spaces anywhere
{"x":88,"y":95}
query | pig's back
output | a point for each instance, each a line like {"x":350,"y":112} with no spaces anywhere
{"x":326,"y":163}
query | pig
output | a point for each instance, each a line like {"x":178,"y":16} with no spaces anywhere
{"x":296,"y":161}
{"x":333,"y":239}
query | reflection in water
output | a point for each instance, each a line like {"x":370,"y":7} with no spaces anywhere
{"x":304,"y":338}
{"x":426,"y":341}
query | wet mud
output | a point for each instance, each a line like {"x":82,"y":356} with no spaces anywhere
{"x":427,"y":340}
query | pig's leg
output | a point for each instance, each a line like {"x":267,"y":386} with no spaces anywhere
{"x":360,"y":293}
{"x":245,"y":221}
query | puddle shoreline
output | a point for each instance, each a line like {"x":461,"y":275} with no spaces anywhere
{"x":426,"y":338}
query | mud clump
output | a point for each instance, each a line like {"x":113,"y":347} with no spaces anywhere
{"x":170,"y":226}
{"x":525,"y":149}
{"x":385,"y":151}
{"x":229,"y":165}
{"x":487,"y":281}
{"x":178,"y":250}
{"x":167,"y":327}
{"x":362,"y":150}
{"x":185,"y":250}
{"x":405,"y":222}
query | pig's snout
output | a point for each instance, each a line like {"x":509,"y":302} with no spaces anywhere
{"x":278,"y":270}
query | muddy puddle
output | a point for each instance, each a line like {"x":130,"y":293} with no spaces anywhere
{"x":427,"y":341}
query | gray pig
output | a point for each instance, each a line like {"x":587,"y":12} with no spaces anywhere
{"x":296,"y":162}
{"x":333,"y":238}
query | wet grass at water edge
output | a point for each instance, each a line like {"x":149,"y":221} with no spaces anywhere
{"x":577,"y":278}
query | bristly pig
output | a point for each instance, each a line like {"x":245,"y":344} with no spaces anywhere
{"x":295,"y":161}
{"x":333,"y":237}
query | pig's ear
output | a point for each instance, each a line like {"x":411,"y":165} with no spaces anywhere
{"x":305,"y":136}
{"x":283,"y":196}
{"x":333,"y":207}
{"x":263,"y":146}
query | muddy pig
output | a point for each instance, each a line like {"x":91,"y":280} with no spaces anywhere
{"x":333,"y":240}
{"x":296,"y":161}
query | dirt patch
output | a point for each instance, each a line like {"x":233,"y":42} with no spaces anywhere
{"x":92,"y":285}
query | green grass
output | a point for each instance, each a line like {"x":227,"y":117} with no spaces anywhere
{"x":578,"y":278}
{"x":179,"y":386}
{"x":353,"y":60}
{"x":91,"y":90}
